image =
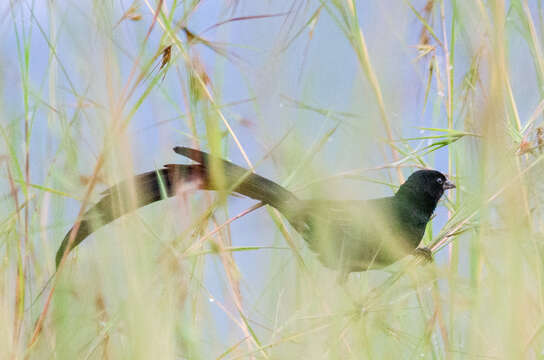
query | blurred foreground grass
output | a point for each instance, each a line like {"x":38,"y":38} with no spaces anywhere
{"x":333,"y":99}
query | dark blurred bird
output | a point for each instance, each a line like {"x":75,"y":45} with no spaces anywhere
{"x":349,"y":236}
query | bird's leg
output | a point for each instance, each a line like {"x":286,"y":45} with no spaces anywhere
{"x":425,"y":254}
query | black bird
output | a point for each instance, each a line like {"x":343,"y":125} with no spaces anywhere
{"x":349,"y":236}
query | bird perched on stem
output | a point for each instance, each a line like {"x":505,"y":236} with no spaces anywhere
{"x":349,"y":236}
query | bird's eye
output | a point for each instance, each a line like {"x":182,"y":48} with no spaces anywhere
{"x":440,"y":181}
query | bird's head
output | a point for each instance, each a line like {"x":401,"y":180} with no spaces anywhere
{"x":427,"y":185}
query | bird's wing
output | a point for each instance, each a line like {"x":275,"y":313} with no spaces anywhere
{"x":349,"y":234}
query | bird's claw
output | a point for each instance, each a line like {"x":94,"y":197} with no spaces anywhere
{"x":425,"y":254}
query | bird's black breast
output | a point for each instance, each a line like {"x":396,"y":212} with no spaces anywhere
{"x":358,"y":235}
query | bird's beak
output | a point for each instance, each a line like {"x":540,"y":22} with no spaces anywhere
{"x":448,"y":185}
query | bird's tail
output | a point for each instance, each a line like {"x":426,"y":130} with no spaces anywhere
{"x":219,"y":174}
{"x":210,"y":174}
